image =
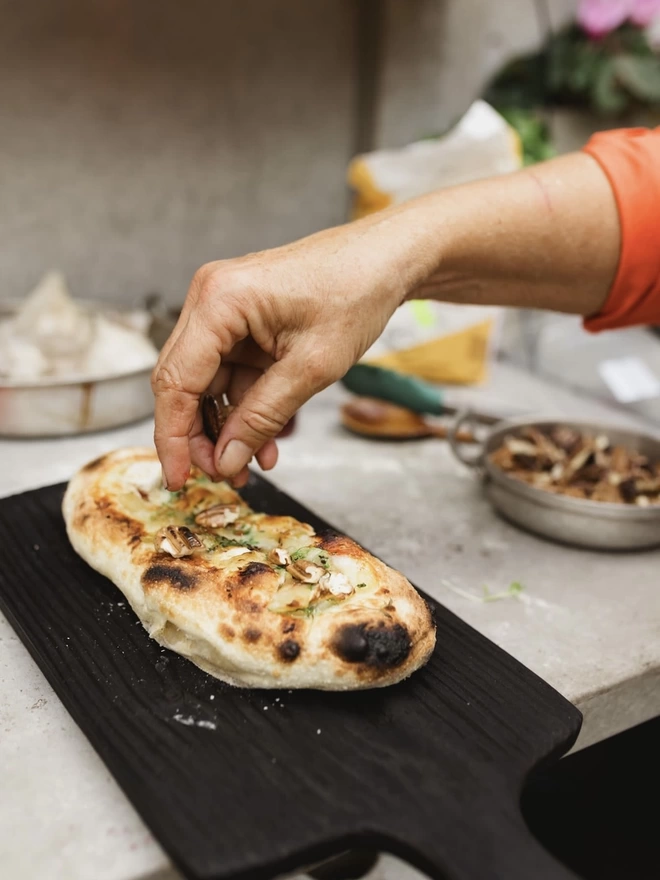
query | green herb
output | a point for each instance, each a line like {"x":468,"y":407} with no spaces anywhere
{"x":222,"y":542}
{"x":361,"y":586}
{"x":296,"y":612}
{"x":313,"y":554}
{"x":246,"y":535}
{"x":515,"y":589}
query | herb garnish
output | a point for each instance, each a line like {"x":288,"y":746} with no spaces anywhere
{"x":313,"y":554}
{"x":515,"y":589}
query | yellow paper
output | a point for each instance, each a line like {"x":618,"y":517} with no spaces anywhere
{"x":457,"y":359}
{"x":368,"y":198}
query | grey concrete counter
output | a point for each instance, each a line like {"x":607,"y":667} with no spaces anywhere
{"x":587,"y":623}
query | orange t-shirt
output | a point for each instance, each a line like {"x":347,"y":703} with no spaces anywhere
{"x":631,"y":160}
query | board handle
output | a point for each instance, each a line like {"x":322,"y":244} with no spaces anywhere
{"x":502,"y":848}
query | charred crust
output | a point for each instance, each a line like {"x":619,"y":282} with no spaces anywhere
{"x":383,"y":646}
{"x":93,"y":465}
{"x":252,"y":635}
{"x":226,"y":631}
{"x":328,"y":534}
{"x":254,"y":569}
{"x":247,"y":606}
{"x":339,"y":545}
{"x":288,"y":626}
{"x":131,"y":527}
{"x":162,"y":573}
{"x":329,"y":539}
{"x":134,"y":528}
{"x":288,"y":650}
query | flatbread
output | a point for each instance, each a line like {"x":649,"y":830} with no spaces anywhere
{"x":241,"y":605}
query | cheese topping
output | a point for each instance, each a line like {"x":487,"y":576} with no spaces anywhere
{"x":232,"y":552}
{"x":145,"y":476}
{"x":218,"y":516}
{"x":336,"y":583}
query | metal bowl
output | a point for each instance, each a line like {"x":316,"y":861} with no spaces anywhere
{"x":57,"y":407}
{"x":596,"y":525}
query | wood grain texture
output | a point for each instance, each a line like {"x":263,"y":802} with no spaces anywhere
{"x":430,"y":770}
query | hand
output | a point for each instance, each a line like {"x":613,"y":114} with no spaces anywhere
{"x":273,"y":328}
{"x":270,"y":330}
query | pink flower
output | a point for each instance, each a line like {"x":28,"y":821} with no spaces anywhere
{"x":599,"y":17}
{"x":643,"y":12}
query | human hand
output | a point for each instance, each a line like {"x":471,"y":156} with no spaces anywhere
{"x":270,"y":330}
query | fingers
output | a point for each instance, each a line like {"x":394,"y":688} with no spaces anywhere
{"x":233,"y":381}
{"x":190,"y":302}
{"x":180,"y":377}
{"x":267,"y":455}
{"x":242,"y":378}
{"x":247,"y":353}
{"x":266,"y":406}
{"x":202,"y":453}
{"x":202,"y":450}
{"x":240,"y":479}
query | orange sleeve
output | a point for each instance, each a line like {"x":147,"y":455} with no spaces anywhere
{"x":631,"y":160}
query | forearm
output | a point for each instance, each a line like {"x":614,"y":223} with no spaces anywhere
{"x":547,"y":237}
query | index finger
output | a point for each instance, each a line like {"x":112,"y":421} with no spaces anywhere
{"x":181,"y":376}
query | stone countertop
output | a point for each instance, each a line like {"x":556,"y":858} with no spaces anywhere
{"x":587,"y":623}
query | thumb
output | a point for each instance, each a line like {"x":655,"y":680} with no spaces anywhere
{"x":264,"y":410}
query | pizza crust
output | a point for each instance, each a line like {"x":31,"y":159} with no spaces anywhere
{"x":239,"y":616}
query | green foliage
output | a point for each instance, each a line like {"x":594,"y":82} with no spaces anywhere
{"x":610,"y":76}
{"x":533,"y":133}
{"x":640,"y":76}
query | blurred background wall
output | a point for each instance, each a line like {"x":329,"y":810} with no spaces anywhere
{"x":139,"y":139}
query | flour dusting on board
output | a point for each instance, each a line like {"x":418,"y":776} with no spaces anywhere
{"x":189,"y":721}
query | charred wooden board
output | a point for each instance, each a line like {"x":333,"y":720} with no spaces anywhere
{"x":249,"y":784}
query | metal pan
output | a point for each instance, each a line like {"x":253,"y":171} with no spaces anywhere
{"x":53,"y":407}
{"x":580,"y":522}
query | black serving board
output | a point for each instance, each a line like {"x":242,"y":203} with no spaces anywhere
{"x":254,"y":784}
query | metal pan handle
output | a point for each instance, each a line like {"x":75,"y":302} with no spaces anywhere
{"x":474,"y":458}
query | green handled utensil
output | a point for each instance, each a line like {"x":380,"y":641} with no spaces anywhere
{"x":366,"y":380}
{"x":369,"y":381}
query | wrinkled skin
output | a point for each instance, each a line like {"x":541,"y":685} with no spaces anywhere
{"x":271,"y":329}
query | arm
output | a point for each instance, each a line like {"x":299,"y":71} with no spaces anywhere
{"x":546,"y":238}
{"x":273,"y":328}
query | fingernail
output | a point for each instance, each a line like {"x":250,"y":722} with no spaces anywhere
{"x":165,"y":486}
{"x":235,"y":456}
